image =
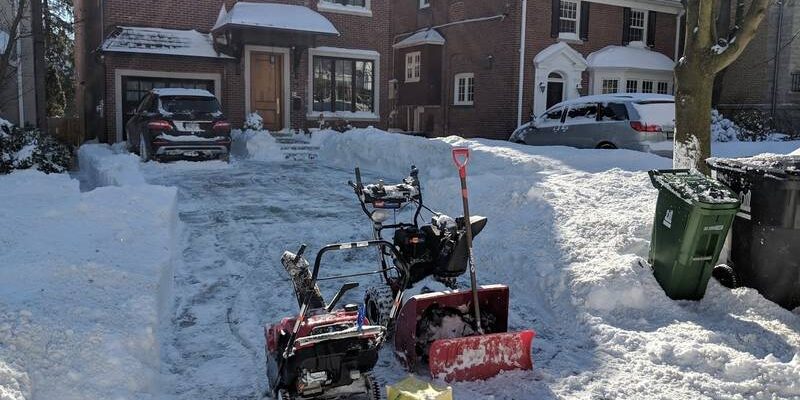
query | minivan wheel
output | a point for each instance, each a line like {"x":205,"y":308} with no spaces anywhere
{"x":144,"y":151}
{"x":606,"y":146}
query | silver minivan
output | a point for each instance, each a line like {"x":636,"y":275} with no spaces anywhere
{"x":635,"y":121}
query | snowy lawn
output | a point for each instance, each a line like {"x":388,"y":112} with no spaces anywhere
{"x":86,"y":281}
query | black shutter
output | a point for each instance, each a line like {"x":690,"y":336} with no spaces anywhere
{"x":584,"y":29}
{"x":626,"y":26}
{"x":554,"y":18}
{"x":651,"y":29}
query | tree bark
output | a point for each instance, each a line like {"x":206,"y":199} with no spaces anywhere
{"x":694,"y":90}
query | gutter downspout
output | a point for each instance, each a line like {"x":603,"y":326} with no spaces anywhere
{"x":774,"y":100}
{"x":678,"y":34}
{"x":521,"y":82}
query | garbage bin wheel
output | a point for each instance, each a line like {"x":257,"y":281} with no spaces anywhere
{"x":726,"y":276}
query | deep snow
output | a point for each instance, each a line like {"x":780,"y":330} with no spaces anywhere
{"x":85,"y":280}
{"x":568,"y":232}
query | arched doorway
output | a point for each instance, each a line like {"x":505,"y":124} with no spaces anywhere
{"x":555,"y":89}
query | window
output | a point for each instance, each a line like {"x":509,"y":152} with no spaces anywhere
{"x":352,"y":3}
{"x":638,"y":26}
{"x":610,"y":86}
{"x":413,"y":66}
{"x":568,"y":19}
{"x":796,"y":81}
{"x":582,"y":113}
{"x":663,"y":87}
{"x":631,"y":86}
{"x":613,"y":112}
{"x":464,"y":89}
{"x":647,"y":86}
{"x":343,"y":84}
{"x":424,"y":3}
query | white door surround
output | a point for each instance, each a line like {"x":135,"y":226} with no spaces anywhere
{"x":563,"y":60}
{"x":287,"y":110}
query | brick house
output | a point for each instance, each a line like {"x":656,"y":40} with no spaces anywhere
{"x":436,"y":67}
{"x":766,"y":77}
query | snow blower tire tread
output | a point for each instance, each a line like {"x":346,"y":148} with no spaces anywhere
{"x":378,"y":301}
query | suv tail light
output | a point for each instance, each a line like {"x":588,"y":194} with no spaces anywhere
{"x":159,"y":125}
{"x":640,"y":127}
{"x":222,"y":126}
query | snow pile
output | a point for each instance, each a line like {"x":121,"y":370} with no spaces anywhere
{"x":103,"y":165}
{"x":569,"y":233}
{"x":161,"y":41}
{"x":86,"y":284}
{"x":255,"y":145}
{"x":253,"y":122}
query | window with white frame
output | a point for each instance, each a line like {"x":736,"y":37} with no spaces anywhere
{"x":610,"y":86}
{"x":568,"y":19}
{"x":631,"y":86}
{"x":464,"y":89}
{"x":351,"y":3}
{"x":663,"y":88}
{"x":647,"y":86}
{"x":424,"y":3}
{"x":413,"y":66}
{"x":637,"y":31}
{"x":343,"y":84}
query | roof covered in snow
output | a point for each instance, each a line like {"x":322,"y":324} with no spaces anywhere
{"x":182,"y":92}
{"x":629,"y":57}
{"x":427,"y":36}
{"x":160,"y":41}
{"x":283,"y":17}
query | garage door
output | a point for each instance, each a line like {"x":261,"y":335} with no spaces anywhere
{"x":134,"y":88}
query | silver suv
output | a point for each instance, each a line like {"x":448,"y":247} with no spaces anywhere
{"x":636,"y":121}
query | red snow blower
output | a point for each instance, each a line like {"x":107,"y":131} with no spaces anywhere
{"x":465,"y":332}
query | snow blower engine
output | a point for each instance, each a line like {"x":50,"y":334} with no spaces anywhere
{"x":437,"y":250}
{"x":324,"y":352}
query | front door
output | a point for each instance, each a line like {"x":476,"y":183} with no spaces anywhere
{"x":555,"y":93}
{"x":266,"y":88}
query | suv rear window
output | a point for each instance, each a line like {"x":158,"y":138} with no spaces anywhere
{"x":190,"y":105}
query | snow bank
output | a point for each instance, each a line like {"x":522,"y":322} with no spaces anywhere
{"x":104,"y":165}
{"x":569,"y":232}
{"x":86,"y":284}
{"x":255,"y":145}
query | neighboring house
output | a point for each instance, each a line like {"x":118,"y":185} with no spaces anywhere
{"x":436,"y":67}
{"x":766,"y":77}
{"x":18,"y":88}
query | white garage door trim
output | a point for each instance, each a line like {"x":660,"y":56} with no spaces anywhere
{"x":118,"y":74}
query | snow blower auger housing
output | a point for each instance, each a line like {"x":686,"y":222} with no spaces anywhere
{"x":324,"y":352}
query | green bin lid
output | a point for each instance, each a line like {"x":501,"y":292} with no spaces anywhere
{"x":695,"y":188}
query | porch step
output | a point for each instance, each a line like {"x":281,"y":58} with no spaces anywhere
{"x":300,"y":152}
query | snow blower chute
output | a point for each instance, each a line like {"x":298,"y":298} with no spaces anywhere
{"x":462,"y":334}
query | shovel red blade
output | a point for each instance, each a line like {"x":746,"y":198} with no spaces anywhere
{"x":480,"y":357}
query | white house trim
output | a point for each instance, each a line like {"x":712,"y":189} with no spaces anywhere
{"x":119,"y":73}
{"x":287,"y":108}
{"x":564,"y":60}
{"x":662,"y":6}
{"x":371,"y":55}
{"x":327,"y":6}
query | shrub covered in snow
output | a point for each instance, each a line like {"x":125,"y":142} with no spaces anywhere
{"x":254,"y":122}
{"x":755,"y":125}
{"x":24,"y":148}
{"x":723,"y":129}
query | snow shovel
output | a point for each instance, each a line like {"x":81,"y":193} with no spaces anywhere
{"x":484,"y":355}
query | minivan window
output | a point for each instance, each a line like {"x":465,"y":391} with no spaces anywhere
{"x":656,"y":112}
{"x":613,"y":112}
{"x":582,"y":113}
{"x":190,"y":105}
{"x":554,"y":115}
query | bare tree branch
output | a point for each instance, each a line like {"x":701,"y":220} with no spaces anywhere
{"x":748,"y":29}
{"x":13,"y":36}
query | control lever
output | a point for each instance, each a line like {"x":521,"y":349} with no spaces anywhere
{"x":300,"y":252}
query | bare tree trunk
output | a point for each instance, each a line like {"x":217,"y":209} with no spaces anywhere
{"x":694,"y":89}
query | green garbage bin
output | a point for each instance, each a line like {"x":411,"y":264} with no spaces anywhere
{"x":693,"y":215}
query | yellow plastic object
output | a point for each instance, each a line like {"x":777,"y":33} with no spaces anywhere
{"x":413,"y":388}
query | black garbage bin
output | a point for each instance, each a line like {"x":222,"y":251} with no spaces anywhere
{"x":765,"y":241}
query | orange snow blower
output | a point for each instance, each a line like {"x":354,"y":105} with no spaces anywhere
{"x":462,"y":335}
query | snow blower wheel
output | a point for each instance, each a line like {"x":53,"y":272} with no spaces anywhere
{"x":378,"y":302}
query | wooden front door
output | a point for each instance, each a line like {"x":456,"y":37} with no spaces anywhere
{"x":266,"y":88}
